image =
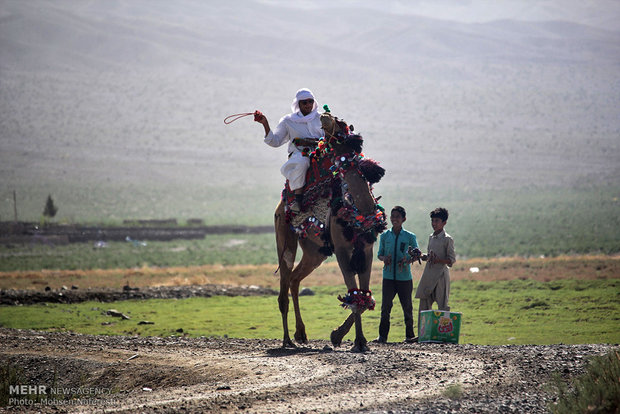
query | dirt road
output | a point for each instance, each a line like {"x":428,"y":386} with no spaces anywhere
{"x":176,"y":374}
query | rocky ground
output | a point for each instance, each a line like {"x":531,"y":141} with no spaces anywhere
{"x":75,"y":295}
{"x":176,"y":374}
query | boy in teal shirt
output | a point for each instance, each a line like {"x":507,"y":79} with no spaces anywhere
{"x":393,"y":252}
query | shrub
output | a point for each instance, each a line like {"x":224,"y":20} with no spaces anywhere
{"x":9,"y":375}
{"x":50,"y":209}
{"x":453,"y":392}
{"x":595,"y":391}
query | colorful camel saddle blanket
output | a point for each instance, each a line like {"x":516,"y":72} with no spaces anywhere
{"x":326,"y":193}
{"x":318,"y":191}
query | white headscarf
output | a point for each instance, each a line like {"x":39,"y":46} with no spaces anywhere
{"x":298,"y":117}
{"x":302,"y":95}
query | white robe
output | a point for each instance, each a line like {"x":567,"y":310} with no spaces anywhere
{"x":290,"y":127}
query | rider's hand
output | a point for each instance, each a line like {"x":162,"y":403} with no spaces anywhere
{"x":259,"y":117}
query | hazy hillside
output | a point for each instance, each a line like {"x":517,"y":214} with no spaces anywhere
{"x":116,"y":107}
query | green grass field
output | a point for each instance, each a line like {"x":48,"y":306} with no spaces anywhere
{"x":494,"y":313}
{"x":225,"y":249}
{"x":484,"y":224}
{"x":523,"y":222}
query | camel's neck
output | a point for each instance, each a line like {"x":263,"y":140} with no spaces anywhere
{"x":359,"y":189}
{"x":344,"y":156}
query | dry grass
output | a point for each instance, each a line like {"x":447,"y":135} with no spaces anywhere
{"x":540,"y":269}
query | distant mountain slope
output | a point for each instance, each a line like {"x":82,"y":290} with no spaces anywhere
{"x":103,"y":35}
{"x":117,"y":106}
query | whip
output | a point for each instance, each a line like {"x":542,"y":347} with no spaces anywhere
{"x":232,"y":118}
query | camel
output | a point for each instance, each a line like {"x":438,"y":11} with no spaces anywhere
{"x":350,"y":238}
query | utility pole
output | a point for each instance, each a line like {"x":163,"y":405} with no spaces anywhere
{"x":15,"y":205}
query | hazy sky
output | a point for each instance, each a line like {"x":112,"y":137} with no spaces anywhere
{"x":602,"y":13}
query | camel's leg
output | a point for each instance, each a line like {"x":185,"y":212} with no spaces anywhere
{"x":360,"y":344}
{"x":286,"y":242}
{"x":364,"y":278}
{"x":310,"y":260}
{"x":339,"y":333}
{"x":343,"y":250}
{"x":283,"y":305}
{"x":343,"y":255}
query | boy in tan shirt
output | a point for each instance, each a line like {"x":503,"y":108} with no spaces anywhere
{"x":435,"y":282}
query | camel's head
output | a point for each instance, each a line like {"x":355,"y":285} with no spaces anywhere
{"x":332,"y":125}
{"x":339,"y":137}
{"x":338,"y":134}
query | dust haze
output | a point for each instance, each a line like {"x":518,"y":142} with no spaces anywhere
{"x":116,"y":108}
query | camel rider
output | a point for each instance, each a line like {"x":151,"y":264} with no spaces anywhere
{"x":302,"y":128}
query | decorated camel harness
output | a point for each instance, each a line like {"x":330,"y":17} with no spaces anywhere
{"x":339,"y":215}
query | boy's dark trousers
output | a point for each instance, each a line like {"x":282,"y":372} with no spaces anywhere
{"x":404,"y":289}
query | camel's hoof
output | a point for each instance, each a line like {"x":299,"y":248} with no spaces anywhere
{"x":335,"y":338}
{"x":287,"y":343}
{"x":301,"y":339}
{"x":360,"y":348}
